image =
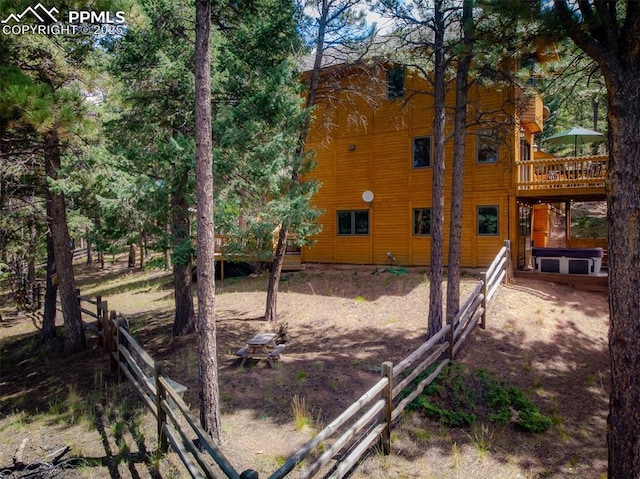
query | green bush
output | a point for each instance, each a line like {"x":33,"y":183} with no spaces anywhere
{"x":458,"y":398}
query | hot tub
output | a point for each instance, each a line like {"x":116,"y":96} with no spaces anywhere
{"x":567,"y":260}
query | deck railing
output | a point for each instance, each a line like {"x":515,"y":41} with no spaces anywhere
{"x":550,"y":173}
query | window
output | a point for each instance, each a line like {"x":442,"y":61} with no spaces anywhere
{"x":525,"y":150}
{"x":421,"y":221}
{"x":422,"y":152}
{"x":353,"y":222}
{"x":395,"y":83}
{"x":487,"y":146}
{"x":487,"y":220}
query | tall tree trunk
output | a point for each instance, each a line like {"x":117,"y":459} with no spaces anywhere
{"x":74,"y":330}
{"x":184,"y":321}
{"x":623,"y":216}
{"x":167,"y":258}
{"x":48,"y":332}
{"x":208,"y":363}
{"x":437,"y":197}
{"x":132,"y":256}
{"x":457,"y":176}
{"x":609,"y":34}
{"x":89,"y":253}
{"x":271,"y":312}
{"x":141,"y":248}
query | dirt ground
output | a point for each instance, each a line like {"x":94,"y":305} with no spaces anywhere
{"x":547,"y":339}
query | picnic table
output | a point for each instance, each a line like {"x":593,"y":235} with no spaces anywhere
{"x":261,"y":346}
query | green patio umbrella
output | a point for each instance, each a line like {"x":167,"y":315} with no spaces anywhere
{"x":576,"y":136}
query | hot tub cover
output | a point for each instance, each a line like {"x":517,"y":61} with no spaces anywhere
{"x":567,"y":252}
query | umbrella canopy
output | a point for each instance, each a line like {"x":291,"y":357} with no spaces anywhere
{"x":576,"y":136}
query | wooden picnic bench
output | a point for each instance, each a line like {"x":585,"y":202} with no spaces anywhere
{"x":261,"y":346}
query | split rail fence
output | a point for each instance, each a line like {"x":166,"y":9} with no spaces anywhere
{"x":342,"y":444}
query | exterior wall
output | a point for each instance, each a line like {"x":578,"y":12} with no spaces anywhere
{"x":371,"y":149}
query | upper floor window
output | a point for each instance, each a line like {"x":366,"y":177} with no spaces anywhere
{"x":354,"y":222}
{"x":395,"y":82}
{"x":421,"y":221}
{"x":422,"y":152}
{"x":525,"y":150}
{"x":487,"y":147}
{"x":487,"y":220}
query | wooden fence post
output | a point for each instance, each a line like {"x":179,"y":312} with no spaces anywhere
{"x":485,"y":292}
{"x":104,"y":319}
{"x":452,"y":333}
{"x":111,"y":330}
{"x":387,"y":372}
{"x":508,"y":264}
{"x":119,"y":323}
{"x":99,"y":321}
{"x":163,"y":444}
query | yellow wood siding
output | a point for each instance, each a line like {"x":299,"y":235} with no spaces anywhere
{"x":371,"y":149}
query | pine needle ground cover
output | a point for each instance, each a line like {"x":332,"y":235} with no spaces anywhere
{"x":548,"y":341}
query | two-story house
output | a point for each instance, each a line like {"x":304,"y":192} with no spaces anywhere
{"x":374,"y":155}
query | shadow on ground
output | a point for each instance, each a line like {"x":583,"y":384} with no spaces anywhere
{"x":567,"y":376}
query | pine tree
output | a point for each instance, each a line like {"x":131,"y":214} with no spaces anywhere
{"x":335,"y":24}
{"x":153,"y":131}
{"x":44,"y":105}
{"x":608,"y":32}
{"x":208,"y":364}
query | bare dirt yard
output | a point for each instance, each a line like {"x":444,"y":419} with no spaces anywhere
{"x":548,"y":340}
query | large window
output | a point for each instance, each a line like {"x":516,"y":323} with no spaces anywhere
{"x":422,"y":152}
{"x":395,"y":83}
{"x":353,"y":222}
{"x":421,"y":221}
{"x":487,"y":220}
{"x":487,"y":147}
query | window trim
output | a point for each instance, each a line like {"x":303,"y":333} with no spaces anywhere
{"x":497,"y":233}
{"x":413,"y":152}
{"x":486,"y":134}
{"x":413,"y":222}
{"x":353,"y":222}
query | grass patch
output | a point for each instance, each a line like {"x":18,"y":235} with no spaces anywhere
{"x":459,"y":398}
{"x":301,"y":377}
{"x":301,"y":414}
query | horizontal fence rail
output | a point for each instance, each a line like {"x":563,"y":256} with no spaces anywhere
{"x":370,"y":419}
{"x":346,"y":440}
{"x":175,"y":423}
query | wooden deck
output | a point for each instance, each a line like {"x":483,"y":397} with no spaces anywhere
{"x":583,"y":282}
{"x":563,"y":178}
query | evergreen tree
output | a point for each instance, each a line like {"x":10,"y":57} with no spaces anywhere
{"x":208,"y":363}
{"x":608,"y":32}
{"x":43,"y":103}
{"x":153,"y":131}
{"x":335,"y":26}
{"x":457,"y":177}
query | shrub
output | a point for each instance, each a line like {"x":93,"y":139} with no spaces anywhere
{"x":457,"y":398}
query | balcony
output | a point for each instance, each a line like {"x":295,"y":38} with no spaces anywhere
{"x":533,"y":116}
{"x":562,"y":177}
